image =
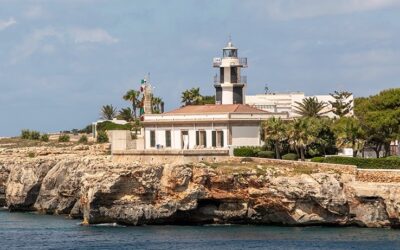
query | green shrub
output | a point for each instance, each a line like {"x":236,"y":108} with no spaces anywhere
{"x":63,"y":138}
{"x":266,"y":154}
{"x":25,"y":134}
{"x":30,"y":134}
{"x":44,"y":137}
{"x":290,"y":157}
{"x":246,"y":151}
{"x":83,"y":139}
{"x":34,"y":135}
{"x":102,"y":137}
{"x":372,"y":163}
{"x":31,"y":154}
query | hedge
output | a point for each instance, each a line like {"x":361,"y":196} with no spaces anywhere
{"x":290,"y":157}
{"x":266,"y":154}
{"x":107,"y":125}
{"x":246,"y":151}
{"x":368,"y":163}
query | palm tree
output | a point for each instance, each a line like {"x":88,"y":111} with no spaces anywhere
{"x":302,"y":132}
{"x":157,"y":105}
{"x":310,"y":107}
{"x":191,"y":97}
{"x":196,"y":96}
{"x":108,"y":112}
{"x":349,"y":133}
{"x":186,"y":98}
{"x":126,"y":114}
{"x":133,"y":97}
{"x":275,"y":131}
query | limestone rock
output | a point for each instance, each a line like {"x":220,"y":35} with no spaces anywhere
{"x":75,"y":182}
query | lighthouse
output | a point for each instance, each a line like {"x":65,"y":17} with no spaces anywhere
{"x":230,"y":84}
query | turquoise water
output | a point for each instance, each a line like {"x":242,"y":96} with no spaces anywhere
{"x":32,"y":231}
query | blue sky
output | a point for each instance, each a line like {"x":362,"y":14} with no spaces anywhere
{"x":61,"y":60}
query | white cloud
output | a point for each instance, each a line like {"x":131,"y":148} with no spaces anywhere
{"x":80,"y":35}
{"x":5,"y":24}
{"x":35,"y":12}
{"x":38,"y":40}
{"x":33,"y":42}
{"x":298,"y":9}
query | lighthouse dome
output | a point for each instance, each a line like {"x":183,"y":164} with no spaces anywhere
{"x":229,"y":50}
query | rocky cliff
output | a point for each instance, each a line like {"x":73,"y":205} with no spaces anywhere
{"x":98,"y":190}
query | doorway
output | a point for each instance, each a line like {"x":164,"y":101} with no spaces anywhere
{"x":185,"y":139}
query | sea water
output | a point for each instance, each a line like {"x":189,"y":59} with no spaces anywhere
{"x":33,"y":231}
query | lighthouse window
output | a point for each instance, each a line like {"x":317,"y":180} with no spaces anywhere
{"x":234,"y":78}
{"x":230,"y":53}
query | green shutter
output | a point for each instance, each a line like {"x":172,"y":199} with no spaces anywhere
{"x":222,"y":139}
{"x":168,"y":138}
{"x":152,"y":138}
{"x":205,"y":139}
{"x":214,"y":139}
{"x":197,"y":138}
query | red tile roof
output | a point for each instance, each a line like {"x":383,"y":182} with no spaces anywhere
{"x":221,"y":108}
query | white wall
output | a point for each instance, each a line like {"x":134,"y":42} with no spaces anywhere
{"x":227,"y":94}
{"x":246,"y":136}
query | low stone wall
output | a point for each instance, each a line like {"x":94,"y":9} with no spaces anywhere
{"x":348,"y":169}
{"x":378,"y":175}
{"x":165,"y":156}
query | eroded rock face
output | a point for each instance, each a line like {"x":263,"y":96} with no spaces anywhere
{"x":4,"y":172}
{"x":99,"y":190}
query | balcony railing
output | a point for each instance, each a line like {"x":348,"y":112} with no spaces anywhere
{"x":243,"y":80}
{"x":243,"y":61}
{"x":217,"y":61}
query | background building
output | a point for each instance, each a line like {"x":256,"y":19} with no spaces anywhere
{"x":286,"y":102}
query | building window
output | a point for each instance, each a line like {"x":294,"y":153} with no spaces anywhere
{"x":218,"y":139}
{"x":185,"y":139}
{"x":152,"y":138}
{"x":168,"y":138}
{"x":201,"y":138}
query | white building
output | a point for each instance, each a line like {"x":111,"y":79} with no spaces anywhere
{"x":205,"y":126}
{"x":228,"y":123}
{"x":286,"y":102}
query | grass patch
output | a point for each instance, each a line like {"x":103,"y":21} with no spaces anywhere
{"x":11,"y":143}
{"x":299,"y":170}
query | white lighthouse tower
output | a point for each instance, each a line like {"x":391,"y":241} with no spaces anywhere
{"x":230,"y":84}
